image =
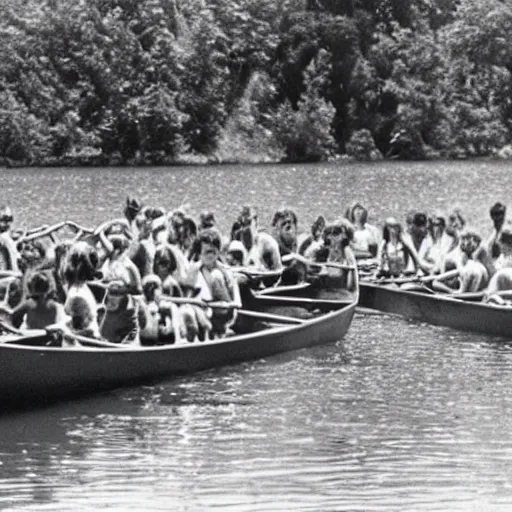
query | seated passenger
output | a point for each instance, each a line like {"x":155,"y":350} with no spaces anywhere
{"x":366,"y":237}
{"x":498,"y":213}
{"x":502,"y":279}
{"x":38,"y":310}
{"x":171,"y":267}
{"x":472,"y":273}
{"x":314,"y":242}
{"x":81,"y":320}
{"x":184,"y":232}
{"x":123,"y":316}
{"x":162,"y":317}
{"x":262,"y":248}
{"x":117,"y":264}
{"x":215,"y":282}
{"x":142,"y":250}
{"x":207,"y":221}
{"x":454,"y":228}
{"x":9,"y":255}
{"x":131,"y":210}
{"x":284,"y":230}
{"x":81,"y":266}
{"x":439,"y":245}
{"x":337,"y":238}
{"x":236,"y":254}
{"x":396,"y":251}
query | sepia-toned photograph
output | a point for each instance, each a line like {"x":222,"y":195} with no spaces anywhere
{"x":256,"y":255}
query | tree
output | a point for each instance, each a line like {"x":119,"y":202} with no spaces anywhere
{"x":305,"y":133}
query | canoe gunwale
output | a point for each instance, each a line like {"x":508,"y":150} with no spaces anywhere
{"x":292,"y":328}
{"x":452,"y":312}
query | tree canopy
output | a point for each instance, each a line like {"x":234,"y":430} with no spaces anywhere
{"x":152,"y":81}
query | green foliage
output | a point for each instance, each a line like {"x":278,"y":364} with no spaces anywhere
{"x":247,"y":135}
{"x":305,"y":134}
{"x":362,"y":146}
{"x":156,"y":81}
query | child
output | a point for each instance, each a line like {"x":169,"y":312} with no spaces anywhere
{"x":80,"y":320}
{"x":215,"y":282}
{"x":124,"y":315}
{"x":38,"y":310}
{"x":162,"y":317}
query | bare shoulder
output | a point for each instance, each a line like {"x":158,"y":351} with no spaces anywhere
{"x":267,"y":240}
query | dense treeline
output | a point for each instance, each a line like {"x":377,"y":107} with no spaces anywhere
{"x":158,"y":81}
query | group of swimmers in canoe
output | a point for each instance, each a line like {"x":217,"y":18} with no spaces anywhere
{"x":440,"y":250}
{"x":156,"y":276}
{"x":160,"y":276}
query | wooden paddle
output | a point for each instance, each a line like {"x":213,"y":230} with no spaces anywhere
{"x":255,"y":273}
{"x":92,"y":342}
{"x":329,"y":264}
{"x":270,"y":317}
{"x":201,"y":303}
{"x":49,"y":230}
{"x":5,"y":326}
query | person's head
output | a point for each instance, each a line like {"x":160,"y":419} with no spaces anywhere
{"x":357,"y":214}
{"x":285,"y":219}
{"x":245,"y":227}
{"x":392,"y":229}
{"x":143,"y":221}
{"x":81,"y":263}
{"x":236,"y":254}
{"x":248,"y":217}
{"x":151,"y":287}
{"x":418,"y":228}
{"x":206,"y":220}
{"x":409,"y":217}
{"x":160,"y":230}
{"x":31,"y":252}
{"x":157,"y":212}
{"x":78,"y":309}
{"x":318,"y":226}
{"x":164,"y":262}
{"x":436,"y":225}
{"x":338,"y":234}
{"x":132,"y":208}
{"x":208,"y":247}
{"x":505,"y":239}
{"x":6,"y":218}
{"x":469,"y":241}
{"x":456,"y":222}
{"x":497,"y":213}
{"x":284,"y":225}
{"x":38,"y":285}
{"x":117,"y":295}
{"x":187,"y":233}
{"x":118,"y":239}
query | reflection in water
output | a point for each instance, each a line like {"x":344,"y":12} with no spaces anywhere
{"x":398,"y":417}
{"x":402,"y":416}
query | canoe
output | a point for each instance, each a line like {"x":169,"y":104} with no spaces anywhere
{"x":32,"y":372}
{"x":438,"y":309}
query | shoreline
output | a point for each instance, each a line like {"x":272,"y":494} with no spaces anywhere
{"x":205,"y":161}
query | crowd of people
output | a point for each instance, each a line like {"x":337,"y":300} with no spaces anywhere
{"x":160,"y":276}
{"x":441,"y":250}
{"x":152,"y":276}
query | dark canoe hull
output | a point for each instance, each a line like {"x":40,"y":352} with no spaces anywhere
{"x":41,"y":374}
{"x":439,"y":310}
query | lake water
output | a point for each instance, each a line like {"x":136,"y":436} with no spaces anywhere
{"x":397,"y":416}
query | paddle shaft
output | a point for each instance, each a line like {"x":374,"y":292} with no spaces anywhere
{"x":270,"y":317}
{"x":329,"y":264}
{"x":200,"y":303}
